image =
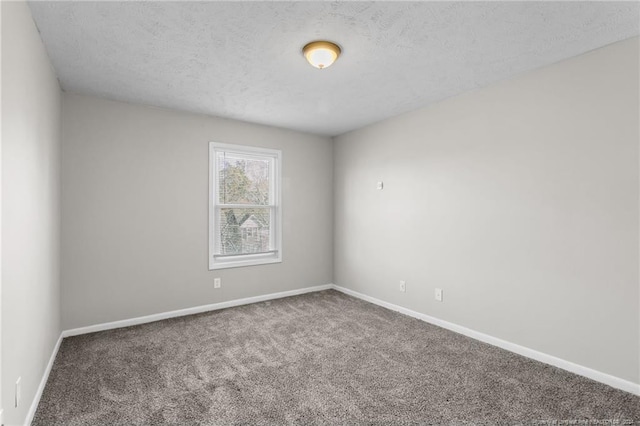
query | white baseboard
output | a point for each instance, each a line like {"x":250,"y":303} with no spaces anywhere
{"x":598,"y":376}
{"x":43,"y":382}
{"x":152,"y":318}
{"x":191,"y":311}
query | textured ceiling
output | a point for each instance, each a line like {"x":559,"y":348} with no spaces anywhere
{"x":242,"y":60}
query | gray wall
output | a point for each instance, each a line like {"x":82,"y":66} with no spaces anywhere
{"x":519,"y":200}
{"x":135,"y":211}
{"x":30,"y":208}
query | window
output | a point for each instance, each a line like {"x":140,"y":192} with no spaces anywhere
{"x":244,"y":206}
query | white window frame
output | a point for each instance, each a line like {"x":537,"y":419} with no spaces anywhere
{"x":217,"y":261}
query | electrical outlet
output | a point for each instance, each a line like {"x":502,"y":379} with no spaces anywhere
{"x":438,"y":294}
{"x":380,"y":185}
{"x":217,"y":283}
{"x":18,"y":390}
{"x":403,"y":286}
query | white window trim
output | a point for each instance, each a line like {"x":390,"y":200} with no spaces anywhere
{"x":273,"y":256}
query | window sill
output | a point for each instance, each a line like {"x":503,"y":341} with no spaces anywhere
{"x":237,"y":263}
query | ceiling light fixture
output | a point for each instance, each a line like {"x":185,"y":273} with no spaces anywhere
{"x":321,"y":54}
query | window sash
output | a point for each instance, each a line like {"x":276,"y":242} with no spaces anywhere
{"x":270,"y":158}
{"x":217,"y":252}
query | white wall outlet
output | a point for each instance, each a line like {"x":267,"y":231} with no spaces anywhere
{"x":380,"y":185}
{"x":403,"y":286}
{"x":439,"y":294}
{"x":217,"y":282}
{"x":18,"y":390}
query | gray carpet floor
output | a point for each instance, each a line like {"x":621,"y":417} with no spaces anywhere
{"x":319,"y":358}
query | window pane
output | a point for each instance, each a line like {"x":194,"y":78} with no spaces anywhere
{"x":244,"y":230}
{"x":243,"y":179}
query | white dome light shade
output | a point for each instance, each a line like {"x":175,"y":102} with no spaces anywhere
{"x":321,"y":54}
